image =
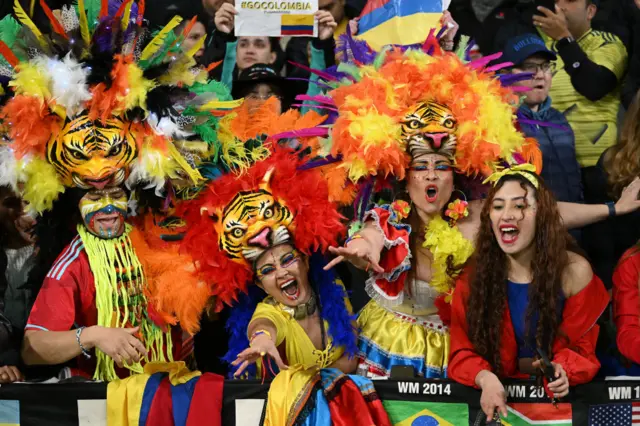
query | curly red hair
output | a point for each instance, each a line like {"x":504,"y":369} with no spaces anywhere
{"x":488,"y":280}
{"x":316,"y":224}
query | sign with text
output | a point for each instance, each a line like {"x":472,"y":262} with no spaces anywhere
{"x":276,"y":18}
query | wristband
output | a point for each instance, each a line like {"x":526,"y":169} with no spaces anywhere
{"x":612,"y":208}
{"x":84,"y":351}
{"x":258,"y":333}
{"x":351,"y":238}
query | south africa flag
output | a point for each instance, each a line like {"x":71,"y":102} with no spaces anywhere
{"x":408,"y":413}
{"x":526,"y":414}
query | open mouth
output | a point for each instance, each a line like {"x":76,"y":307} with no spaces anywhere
{"x":290,"y":289}
{"x":539,"y":86}
{"x":432,"y":193}
{"x":108,"y":221}
{"x":509,"y":233}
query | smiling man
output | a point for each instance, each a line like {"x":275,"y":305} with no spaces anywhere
{"x":561,"y":171}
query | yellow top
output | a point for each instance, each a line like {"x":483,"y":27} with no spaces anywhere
{"x":299,"y":348}
{"x":594,"y":123}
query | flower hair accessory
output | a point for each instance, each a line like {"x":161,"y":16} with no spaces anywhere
{"x":457,"y":210}
{"x":401,"y":208}
{"x":525,"y":170}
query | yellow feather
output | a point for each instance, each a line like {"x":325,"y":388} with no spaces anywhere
{"x":194,"y":174}
{"x":221,"y":105}
{"x":138,"y":88}
{"x":32,"y":7}
{"x":157,"y":42}
{"x":42,"y":185}
{"x":26,"y":21}
{"x":194,"y":49}
{"x":30,"y":80}
{"x":127,"y":15}
{"x":84,"y":23}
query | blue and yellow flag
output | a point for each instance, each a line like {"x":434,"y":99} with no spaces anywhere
{"x":401,"y":22}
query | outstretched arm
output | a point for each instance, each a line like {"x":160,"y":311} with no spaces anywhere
{"x":576,"y":215}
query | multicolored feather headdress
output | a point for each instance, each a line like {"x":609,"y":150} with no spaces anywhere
{"x":92,"y":104}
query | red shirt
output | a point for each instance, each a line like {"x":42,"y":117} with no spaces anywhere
{"x":67,"y":300}
{"x":626,"y":304}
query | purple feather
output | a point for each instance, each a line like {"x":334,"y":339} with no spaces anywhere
{"x":322,"y":107}
{"x":509,"y":79}
{"x":302,"y":133}
{"x":349,"y":49}
{"x":103,"y":36}
{"x":520,"y":89}
{"x":319,"y":73}
{"x":114,"y":5}
{"x":321,"y":99}
{"x":542,"y":123}
{"x":319,"y":163}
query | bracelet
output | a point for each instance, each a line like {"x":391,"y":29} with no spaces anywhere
{"x":258,"y":333}
{"x":612,"y":208}
{"x":84,"y":350}
{"x":353,"y":237}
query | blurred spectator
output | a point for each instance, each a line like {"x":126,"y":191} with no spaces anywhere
{"x":539,"y":120}
{"x":629,"y":13}
{"x":196,"y":33}
{"x":587,"y":82}
{"x":260,"y":82}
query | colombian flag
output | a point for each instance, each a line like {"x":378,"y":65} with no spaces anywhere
{"x":167,"y":394}
{"x":297,"y":25}
{"x":401,"y":22}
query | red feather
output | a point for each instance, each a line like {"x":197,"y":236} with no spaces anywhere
{"x":55,"y":24}
{"x":8,"y":54}
{"x":141,"y":7}
{"x":104,"y":8}
{"x":120,"y":11}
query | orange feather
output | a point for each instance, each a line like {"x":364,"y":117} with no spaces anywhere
{"x":8,"y":54}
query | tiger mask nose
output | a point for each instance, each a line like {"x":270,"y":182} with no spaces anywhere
{"x":437,"y":139}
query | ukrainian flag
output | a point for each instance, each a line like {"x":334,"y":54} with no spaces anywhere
{"x":297,"y":25}
{"x":400,"y":22}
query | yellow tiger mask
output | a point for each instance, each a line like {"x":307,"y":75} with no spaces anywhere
{"x":429,"y":128}
{"x":253,"y":222}
{"x":90,"y":154}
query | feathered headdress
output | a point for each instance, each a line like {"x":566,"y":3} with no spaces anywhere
{"x":92,"y":104}
{"x":237,"y":217}
{"x":400,"y":103}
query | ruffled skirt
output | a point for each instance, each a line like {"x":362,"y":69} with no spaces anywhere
{"x":389,"y":338}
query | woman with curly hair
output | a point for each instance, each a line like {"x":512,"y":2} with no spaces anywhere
{"x":528,"y":289}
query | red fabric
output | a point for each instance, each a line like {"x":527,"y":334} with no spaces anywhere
{"x":626,"y":304}
{"x":349,"y":400}
{"x":576,"y":352}
{"x":161,"y":411}
{"x":67,"y":300}
{"x":393,"y":257}
{"x":206,"y":402}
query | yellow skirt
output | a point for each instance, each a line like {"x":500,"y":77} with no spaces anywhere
{"x":391,"y":338}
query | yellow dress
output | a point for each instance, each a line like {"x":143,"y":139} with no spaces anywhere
{"x":298,"y":347}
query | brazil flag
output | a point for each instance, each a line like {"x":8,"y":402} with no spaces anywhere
{"x":410,"y":413}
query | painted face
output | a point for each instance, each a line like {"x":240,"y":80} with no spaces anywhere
{"x":282,"y":272}
{"x":104,"y":212}
{"x":430,"y":183}
{"x":513,"y":217}
{"x":253,"y":222}
{"x":90,"y":154}
{"x":429,"y":128}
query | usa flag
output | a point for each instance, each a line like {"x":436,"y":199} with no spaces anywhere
{"x":615,"y":414}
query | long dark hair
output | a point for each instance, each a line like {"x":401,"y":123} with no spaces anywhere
{"x":488,"y":281}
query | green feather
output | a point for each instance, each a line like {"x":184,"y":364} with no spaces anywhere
{"x":350,"y":69}
{"x":217,"y":88}
{"x":9,"y":31}
{"x":462,"y":47}
{"x":377,"y":63}
{"x":92,"y":8}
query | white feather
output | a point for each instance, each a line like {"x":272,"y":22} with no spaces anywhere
{"x":69,"y":84}
{"x":166,"y":127}
{"x":9,"y":168}
{"x":139,"y":172}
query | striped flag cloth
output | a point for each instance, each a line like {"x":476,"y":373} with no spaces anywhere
{"x":615,"y":414}
{"x":400,"y":22}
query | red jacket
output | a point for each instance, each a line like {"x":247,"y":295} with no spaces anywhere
{"x":626,"y":304}
{"x":577,"y":355}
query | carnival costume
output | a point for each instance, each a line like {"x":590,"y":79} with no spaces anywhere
{"x":391,"y":107}
{"x":89,"y":108}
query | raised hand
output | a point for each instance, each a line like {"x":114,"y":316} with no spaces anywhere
{"x":359,"y":253}
{"x":224,"y":18}
{"x":326,"y":24}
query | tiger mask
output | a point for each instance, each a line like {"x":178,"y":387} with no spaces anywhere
{"x":252,"y":222}
{"x":429,"y":128}
{"x":91,"y":154}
